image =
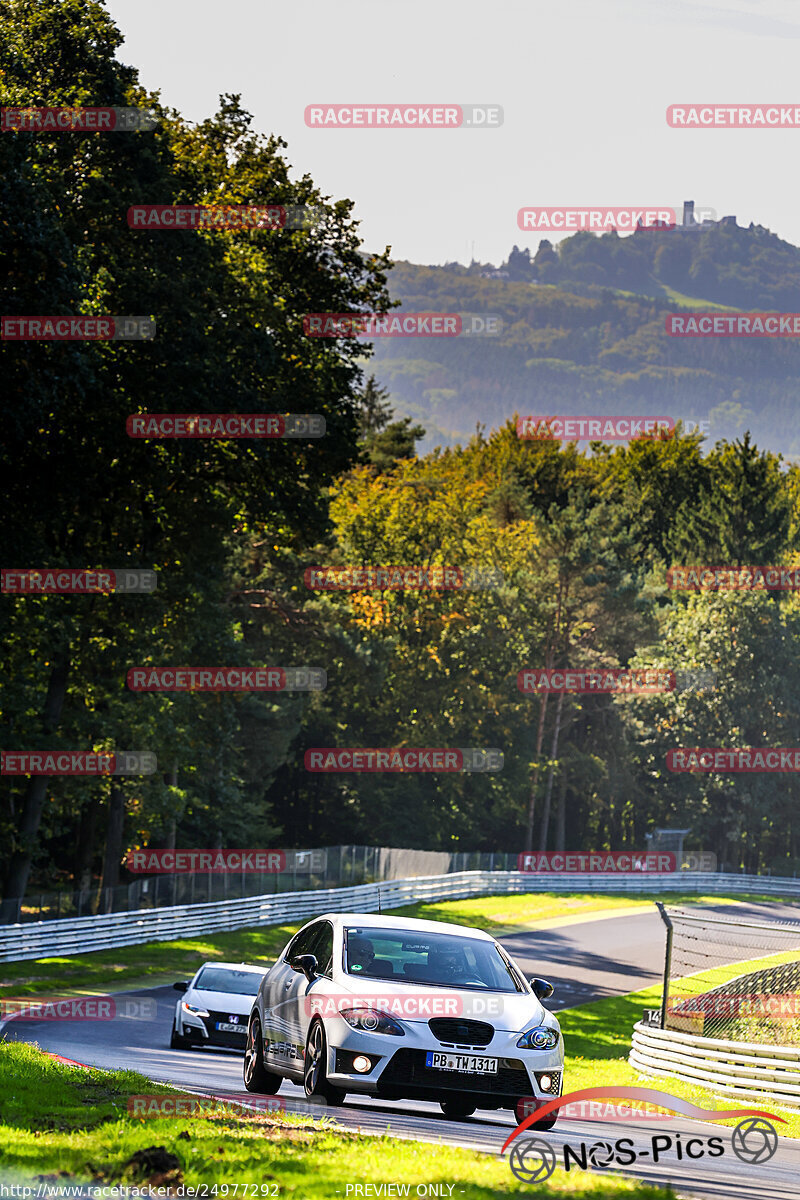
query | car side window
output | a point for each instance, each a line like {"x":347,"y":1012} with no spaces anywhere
{"x":323,"y":948}
{"x":303,"y":943}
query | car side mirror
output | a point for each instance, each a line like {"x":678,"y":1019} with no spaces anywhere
{"x":306,"y":964}
{"x":542,"y":990}
{"x":183,"y":986}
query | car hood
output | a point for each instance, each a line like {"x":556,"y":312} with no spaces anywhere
{"x":229,"y":1002}
{"x":507,"y":1011}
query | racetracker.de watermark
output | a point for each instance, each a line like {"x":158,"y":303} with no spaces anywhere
{"x":78,"y":1008}
{"x":734,"y":578}
{"x":226,"y":862}
{"x":783,"y":1006}
{"x":593,"y":428}
{"x":597,"y":1110}
{"x":214,"y":862}
{"x":597,"y":219}
{"x":218,"y":1105}
{"x":614,"y":862}
{"x":421,"y":1005}
{"x":579,"y":681}
{"x":404,"y":116}
{"x":225,"y":425}
{"x":596,"y":429}
{"x":77,"y":329}
{"x":65,"y":581}
{"x":77,"y":762}
{"x":716,"y":324}
{"x":227,"y":679}
{"x":76,"y":120}
{"x":401,"y":578}
{"x":413,"y":761}
{"x":745,"y":760}
{"x":416,"y":324}
{"x":733,"y":116}
{"x":224,"y":218}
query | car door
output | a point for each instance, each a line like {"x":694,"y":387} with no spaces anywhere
{"x":298,"y":992}
{"x":322,"y":986}
{"x":282,"y":1028}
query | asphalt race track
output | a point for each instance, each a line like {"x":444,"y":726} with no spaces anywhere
{"x":585,"y":960}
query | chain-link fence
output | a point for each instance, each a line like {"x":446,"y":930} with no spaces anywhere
{"x":332,"y":866}
{"x":731,"y":978}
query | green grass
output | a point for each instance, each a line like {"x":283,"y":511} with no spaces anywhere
{"x":147,"y":965}
{"x":154,"y":963}
{"x":662,"y":291}
{"x":72,"y":1126}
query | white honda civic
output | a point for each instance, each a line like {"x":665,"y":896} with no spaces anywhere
{"x":214,"y":1007}
{"x":404,"y":1009}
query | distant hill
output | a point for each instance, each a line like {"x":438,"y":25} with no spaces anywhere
{"x":583,"y":331}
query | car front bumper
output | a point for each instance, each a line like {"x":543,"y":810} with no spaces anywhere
{"x":203,"y":1030}
{"x":399,"y":1070}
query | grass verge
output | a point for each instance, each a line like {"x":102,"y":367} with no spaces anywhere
{"x":62,"y":1125}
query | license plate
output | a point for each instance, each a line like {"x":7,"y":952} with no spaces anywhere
{"x":227,"y":1027}
{"x":470,"y":1064}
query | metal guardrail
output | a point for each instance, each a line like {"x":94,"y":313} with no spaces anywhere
{"x":301,"y":870}
{"x":746,"y":1070}
{"x":79,"y":935}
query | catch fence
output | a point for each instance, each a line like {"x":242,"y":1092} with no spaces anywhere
{"x":306,"y":870}
{"x":731,"y":978}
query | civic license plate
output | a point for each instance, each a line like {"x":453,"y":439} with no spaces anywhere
{"x":471,"y":1064}
{"x":227,"y":1027}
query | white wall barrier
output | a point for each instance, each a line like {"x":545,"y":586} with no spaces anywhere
{"x":78,"y":935}
{"x":749,"y":1072}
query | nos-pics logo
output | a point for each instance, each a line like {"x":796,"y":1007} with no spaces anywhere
{"x":533,"y":1159}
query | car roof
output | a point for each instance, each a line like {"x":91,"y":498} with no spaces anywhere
{"x":374,"y":921}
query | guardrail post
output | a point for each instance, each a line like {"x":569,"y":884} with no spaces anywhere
{"x":667,"y":962}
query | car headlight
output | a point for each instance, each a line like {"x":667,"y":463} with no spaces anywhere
{"x":191,"y":1008}
{"x":372,"y":1020}
{"x":542,"y":1037}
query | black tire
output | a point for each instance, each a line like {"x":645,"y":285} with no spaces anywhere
{"x":457,"y":1108}
{"x":256,"y":1077}
{"x":315,"y":1073}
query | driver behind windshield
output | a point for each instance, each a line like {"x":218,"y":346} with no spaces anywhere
{"x":360,"y":954}
{"x":449,"y":965}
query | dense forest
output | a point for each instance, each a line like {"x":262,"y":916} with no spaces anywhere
{"x":579,"y":543}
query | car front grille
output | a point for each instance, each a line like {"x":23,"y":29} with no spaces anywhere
{"x":458,"y":1031}
{"x":223,"y":1035}
{"x":407,"y":1070}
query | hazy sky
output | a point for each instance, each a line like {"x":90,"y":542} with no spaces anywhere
{"x":584,"y":85}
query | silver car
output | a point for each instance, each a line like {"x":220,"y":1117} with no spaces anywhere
{"x":404,"y":1009}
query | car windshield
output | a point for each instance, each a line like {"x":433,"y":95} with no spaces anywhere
{"x":227,"y":979}
{"x":437,"y":959}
